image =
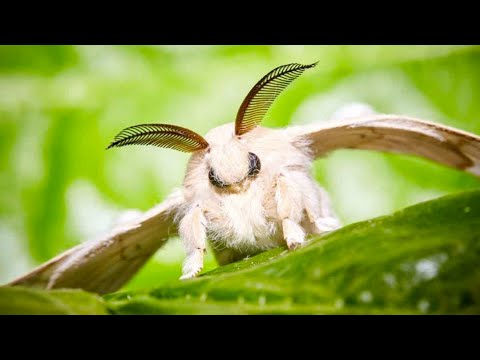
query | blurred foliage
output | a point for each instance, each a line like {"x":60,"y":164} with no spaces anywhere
{"x":61,"y":105}
{"x":421,"y":260}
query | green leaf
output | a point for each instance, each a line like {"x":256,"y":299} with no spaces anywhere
{"x":23,"y":301}
{"x":423,"y":259}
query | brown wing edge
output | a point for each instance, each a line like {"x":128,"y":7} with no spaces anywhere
{"x":393,"y":133}
{"x":103,"y":265}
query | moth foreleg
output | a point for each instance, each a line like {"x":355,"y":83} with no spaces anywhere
{"x":290,"y":209}
{"x":192,"y":230}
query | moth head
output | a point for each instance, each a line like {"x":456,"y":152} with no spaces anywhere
{"x":228,"y":160}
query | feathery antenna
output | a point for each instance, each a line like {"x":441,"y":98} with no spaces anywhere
{"x":162,"y":135}
{"x":264,"y":93}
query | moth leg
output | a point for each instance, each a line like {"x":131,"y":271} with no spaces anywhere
{"x":290,"y":209}
{"x":320,"y":211}
{"x":192,"y":230}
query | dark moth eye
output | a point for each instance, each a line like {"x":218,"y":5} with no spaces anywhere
{"x":254,"y":164}
{"x":212,"y":176}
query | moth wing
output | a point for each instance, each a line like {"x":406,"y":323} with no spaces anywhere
{"x":393,"y":133}
{"x":103,"y":265}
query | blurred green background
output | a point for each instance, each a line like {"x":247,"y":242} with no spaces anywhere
{"x":61,"y":105}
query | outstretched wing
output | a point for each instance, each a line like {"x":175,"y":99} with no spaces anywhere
{"x":104,"y":265}
{"x":393,"y":133}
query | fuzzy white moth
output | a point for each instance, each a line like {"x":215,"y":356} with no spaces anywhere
{"x":247,"y":188}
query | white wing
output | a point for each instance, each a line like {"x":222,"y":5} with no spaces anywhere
{"x":393,"y":133}
{"x":104,"y":265}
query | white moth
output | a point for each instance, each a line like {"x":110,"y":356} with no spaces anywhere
{"x":247,"y":188}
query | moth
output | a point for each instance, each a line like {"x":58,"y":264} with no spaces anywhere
{"x":246,"y":189}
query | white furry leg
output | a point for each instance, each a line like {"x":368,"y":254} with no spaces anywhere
{"x":290,"y":209}
{"x":192,"y":265}
{"x":327,"y":224}
{"x":192,"y":230}
{"x":320,"y":211}
{"x":293,"y":233}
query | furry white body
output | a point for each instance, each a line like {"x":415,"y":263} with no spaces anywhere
{"x":279,"y":206}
